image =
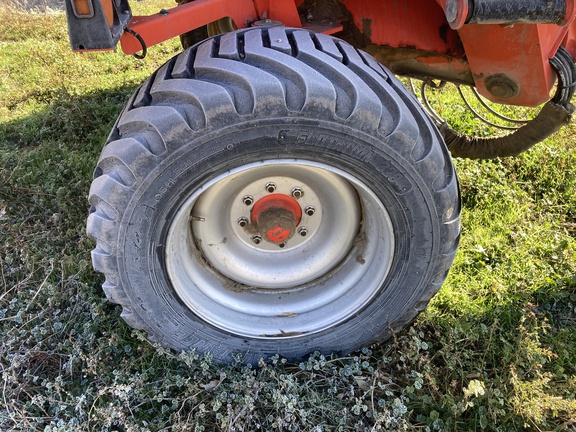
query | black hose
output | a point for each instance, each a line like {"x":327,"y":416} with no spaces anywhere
{"x":554,"y":114}
{"x":549,"y":120}
{"x":137,"y":36}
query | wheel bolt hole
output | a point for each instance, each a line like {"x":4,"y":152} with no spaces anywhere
{"x":270,"y":187}
{"x":309,"y":210}
{"x":248,"y":200}
{"x":282,"y":245}
{"x":297,"y":192}
{"x":243,"y":222}
{"x":303,"y":231}
{"x":256,"y":239}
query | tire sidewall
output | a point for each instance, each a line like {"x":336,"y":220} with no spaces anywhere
{"x":407,"y":197}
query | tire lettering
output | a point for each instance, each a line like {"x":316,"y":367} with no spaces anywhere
{"x":396,"y":178}
{"x":303,"y":137}
{"x":325,"y":141}
{"x":398,"y":181}
{"x":137,"y":239}
{"x":299,"y":137}
{"x":164,"y":189}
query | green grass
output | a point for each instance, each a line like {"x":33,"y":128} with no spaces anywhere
{"x":495,"y":351}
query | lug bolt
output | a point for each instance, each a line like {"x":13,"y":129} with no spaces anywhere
{"x":309,"y":210}
{"x":248,"y":200}
{"x":256,"y":239}
{"x":270,"y":187}
{"x":243,"y":222}
{"x":303,"y":231}
{"x":297,"y":192}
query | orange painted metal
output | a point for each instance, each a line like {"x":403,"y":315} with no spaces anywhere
{"x":416,"y":24}
{"x":569,"y":41}
{"x":176,"y":21}
{"x":570,"y":12}
{"x":181,"y":19}
{"x":83,"y":8}
{"x":108,"y":11}
{"x":278,"y":230}
{"x":414,"y":63}
{"x":519,"y":52}
{"x":411,"y":37}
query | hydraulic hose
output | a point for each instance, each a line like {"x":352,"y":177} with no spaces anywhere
{"x":554,"y":114}
{"x":549,"y":120}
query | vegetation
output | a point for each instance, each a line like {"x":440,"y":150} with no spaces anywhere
{"x":495,"y":350}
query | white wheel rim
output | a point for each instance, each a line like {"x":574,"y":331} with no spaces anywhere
{"x":335,"y":263}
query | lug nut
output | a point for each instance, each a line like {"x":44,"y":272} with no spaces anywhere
{"x":309,"y":210}
{"x":281,"y":245}
{"x":303,"y":231}
{"x":243,"y":222}
{"x":256,"y":239}
{"x":270,"y":187}
{"x":248,"y":200}
{"x":297,"y":192}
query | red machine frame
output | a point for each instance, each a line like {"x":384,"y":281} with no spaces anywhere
{"x":508,"y":63}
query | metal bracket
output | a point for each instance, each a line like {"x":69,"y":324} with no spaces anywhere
{"x":93,"y":32}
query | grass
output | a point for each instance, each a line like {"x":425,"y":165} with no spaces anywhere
{"x":495,"y":351}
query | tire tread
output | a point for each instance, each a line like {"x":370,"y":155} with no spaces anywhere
{"x":248,"y":74}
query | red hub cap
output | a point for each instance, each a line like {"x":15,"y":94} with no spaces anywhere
{"x":276,"y":216}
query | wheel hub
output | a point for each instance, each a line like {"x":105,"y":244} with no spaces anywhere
{"x":277,"y":212}
{"x":276,"y":217}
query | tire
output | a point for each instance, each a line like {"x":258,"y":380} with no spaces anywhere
{"x":277,"y":126}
